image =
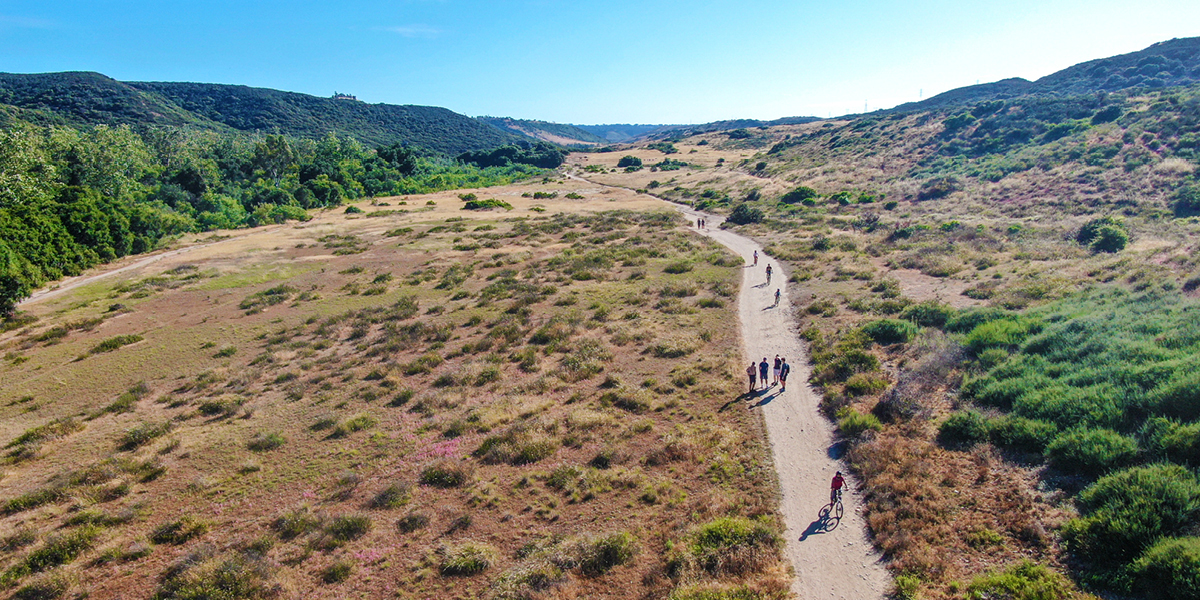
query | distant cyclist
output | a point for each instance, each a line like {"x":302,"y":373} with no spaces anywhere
{"x":776,"y":297}
{"x":835,"y":493}
{"x":768,"y":273}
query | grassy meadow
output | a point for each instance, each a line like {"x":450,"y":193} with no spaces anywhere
{"x":404,"y":399}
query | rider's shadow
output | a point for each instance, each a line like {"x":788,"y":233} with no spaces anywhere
{"x":825,"y":523}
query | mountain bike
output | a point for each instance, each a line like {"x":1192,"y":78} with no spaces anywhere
{"x":834,"y":510}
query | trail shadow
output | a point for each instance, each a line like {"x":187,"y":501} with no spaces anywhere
{"x":761,"y":285}
{"x":836,"y":450}
{"x":770,"y":306}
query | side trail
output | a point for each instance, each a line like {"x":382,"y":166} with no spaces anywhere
{"x":832,"y":559}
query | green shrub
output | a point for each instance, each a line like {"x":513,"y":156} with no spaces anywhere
{"x":59,"y":549}
{"x":204,"y":575}
{"x":142,"y":434}
{"x":1021,"y":434}
{"x":180,"y":530}
{"x":1168,"y":438}
{"x":678,"y":267}
{"x":853,"y":423}
{"x":744,"y":214}
{"x":1091,"y":230}
{"x":962,"y":429}
{"x":1023,"y":581}
{"x":446,"y":474}
{"x":601,"y":554}
{"x":393,"y":496}
{"x":113,"y":343}
{"x":629,"y":161}
{"x":1091,"y":452}
{"x":929,"y":313}
{"x":863,"y":384}
{"x":1111,"y":239}
{"x":412,"y":522}
{"x":354,"y":424}
{"x":1179,"y":397}
{"x":345,"y":528}
{"x":971,"y":318}
{"x":798,"y":195}
{"x":1002,"y":333}
{"x":337,"y":572}
{"x":727,"y":545}
{"x":1126,"y":512}
{"x":467,"y":559}
{"x":261,"y":442}
{"x":1187,"y":201}
{"x":890,"y":331}
{"x":45,"y":587}
{"x":296,"y":523}
{"x":1169,"y":570}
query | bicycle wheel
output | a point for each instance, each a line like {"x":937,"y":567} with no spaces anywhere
{"x":838,"y":509}
{"x":824,"y":512}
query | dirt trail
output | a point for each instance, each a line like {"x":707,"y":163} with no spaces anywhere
{"x":67,"y":284}
{"x":832,"y":560}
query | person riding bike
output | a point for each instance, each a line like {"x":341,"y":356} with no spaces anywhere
{"x":835,"y":492}
{"x":768,"y":273}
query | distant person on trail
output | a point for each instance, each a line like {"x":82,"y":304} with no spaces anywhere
{"x":836,"y":487}
{"x":784,"y":369}
{"x":768,"y":273}
{"x":756,"y":258}
{"x":751,"y":373}
{"x":775,"y":370}
{"x":763,"y":367}
{"x":776,"y":297}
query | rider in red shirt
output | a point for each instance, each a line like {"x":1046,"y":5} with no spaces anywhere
{"x":838,"y":482}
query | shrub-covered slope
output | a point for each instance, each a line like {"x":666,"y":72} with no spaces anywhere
{"x":81,"y":98}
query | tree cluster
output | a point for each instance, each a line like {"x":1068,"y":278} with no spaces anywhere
{"x":74,"y":198}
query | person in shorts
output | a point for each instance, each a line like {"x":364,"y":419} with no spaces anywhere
{"x":784,"y":370}
{"x":775,"y":371}
{"x":751,"y":372}
{"x":763,"y":368}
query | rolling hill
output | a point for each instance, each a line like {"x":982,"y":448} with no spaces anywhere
{"x":81,"y":98}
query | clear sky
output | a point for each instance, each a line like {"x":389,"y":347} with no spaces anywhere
{"x":577,"y":61}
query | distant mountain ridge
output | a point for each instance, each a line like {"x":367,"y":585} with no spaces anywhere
{"x":85,"y":98}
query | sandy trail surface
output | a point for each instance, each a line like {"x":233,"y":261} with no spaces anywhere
{"x":833,"y":557}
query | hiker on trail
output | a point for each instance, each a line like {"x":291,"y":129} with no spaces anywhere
{"x":776,"y":297}
{"x":697,"y":223}
{"x":768,"y":273}
{"x":756,"y":258}
{"x":751,"y":373}
{"x":775,"y":371}
{"x":784,"y":369}
{"x":763,"y":367}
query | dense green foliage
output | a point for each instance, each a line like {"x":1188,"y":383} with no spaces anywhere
{"x":1102,"y":383}
{"x":74,"y":198}
{"x":543,"y":156}
{"x":93,"y":99}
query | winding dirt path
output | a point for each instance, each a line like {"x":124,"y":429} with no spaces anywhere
{"x":832,"y":558}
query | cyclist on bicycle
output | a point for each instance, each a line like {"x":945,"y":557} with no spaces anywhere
{"x":836,"y":487}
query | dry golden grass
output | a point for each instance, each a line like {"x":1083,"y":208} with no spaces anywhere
{"x":308,"y":411}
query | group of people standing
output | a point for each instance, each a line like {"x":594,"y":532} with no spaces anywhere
{"x":779,"y":374}
{"x":701,"y":224}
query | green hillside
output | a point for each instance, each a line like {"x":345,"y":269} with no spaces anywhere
{"x":79,"y":98}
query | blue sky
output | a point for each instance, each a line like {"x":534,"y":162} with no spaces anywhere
{"x":623,"y":61}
